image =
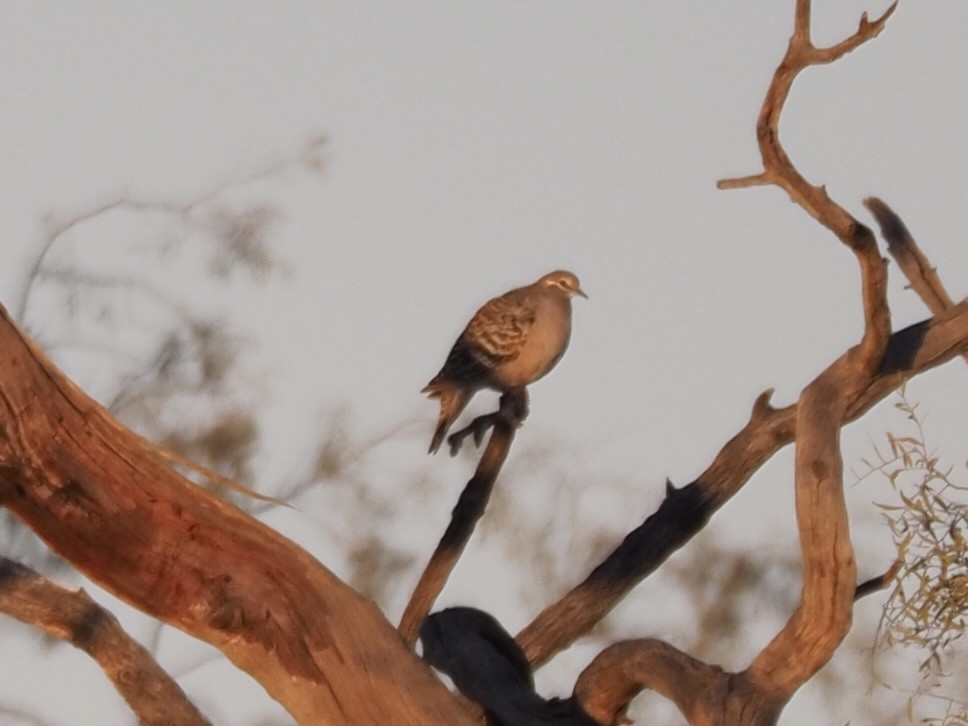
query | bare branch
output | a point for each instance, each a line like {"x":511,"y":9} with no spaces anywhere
{"x":173,"y":458}
{"x":866,"y":30}
{"x":913,"y":262}
{"x":777,"y":167}
{"x":685,"y":511}
{"x":745,"y":182}
{"x":620,"y":672}
{"x":75,"y":617}
{"x":469,"y":509}
{"x":880,"y":356}
{"x":822,"y":619}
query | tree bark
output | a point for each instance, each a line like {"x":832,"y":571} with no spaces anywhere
{"x":112,"y":508}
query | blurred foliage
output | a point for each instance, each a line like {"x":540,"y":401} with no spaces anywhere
{"x":147,"y":316}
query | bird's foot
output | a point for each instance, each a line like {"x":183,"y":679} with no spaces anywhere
{"x":476,"y":428}
{"x":512,"y":412}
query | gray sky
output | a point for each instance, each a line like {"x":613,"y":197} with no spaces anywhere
{"x":474,"y":147}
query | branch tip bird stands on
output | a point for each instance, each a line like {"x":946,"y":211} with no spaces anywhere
{"x":512,"y":341}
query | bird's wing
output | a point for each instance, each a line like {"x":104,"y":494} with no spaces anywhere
{"x":498,"y":331}
{"x":494,"y":336}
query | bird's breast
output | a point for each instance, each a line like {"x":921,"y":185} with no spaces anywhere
{"x":544,"y":346}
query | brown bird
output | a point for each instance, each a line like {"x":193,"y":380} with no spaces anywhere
{"x":511,"y":342}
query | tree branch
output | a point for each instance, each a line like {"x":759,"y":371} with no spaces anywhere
{"x":777,"y":167}
{"x":685,"y":511}
{"x":621,"y":671}
{"x":913,"y":262}
{"x":605,"y":688}
{"x":881,"y":357}
{"x":823,"y":617}
{"x":468,"y":510}
{"x":73,"y":616}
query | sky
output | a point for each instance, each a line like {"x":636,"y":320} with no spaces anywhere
{"x":472,"y":148}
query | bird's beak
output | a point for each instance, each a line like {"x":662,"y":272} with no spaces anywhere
{"x":579,"y":291}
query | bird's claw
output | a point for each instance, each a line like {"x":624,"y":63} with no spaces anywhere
{"x":513,"y":410}
{"x":476,"y":428}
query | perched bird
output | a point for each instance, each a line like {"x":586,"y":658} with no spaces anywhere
{"x":512,"y":341}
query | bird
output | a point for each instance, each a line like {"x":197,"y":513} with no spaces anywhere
{"x":511,"y":342}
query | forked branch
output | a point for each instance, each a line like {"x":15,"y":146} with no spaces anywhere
{"x":777,"y":167}
{"x":880,"y":358}
{"x":684,"y":512}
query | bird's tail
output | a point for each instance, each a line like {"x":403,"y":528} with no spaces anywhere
{"x":452,"y":402}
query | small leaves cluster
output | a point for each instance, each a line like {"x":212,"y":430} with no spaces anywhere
{"x":928,"y":605}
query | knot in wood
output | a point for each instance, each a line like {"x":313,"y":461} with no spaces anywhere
{"x":227,"y":614}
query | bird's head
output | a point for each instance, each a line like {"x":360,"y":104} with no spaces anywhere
{"x":563,"y":282}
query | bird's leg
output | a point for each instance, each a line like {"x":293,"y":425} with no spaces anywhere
{"x":512,"y":411}
{"x":514,"y":406}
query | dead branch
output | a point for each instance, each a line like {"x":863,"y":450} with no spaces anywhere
{"x":620,"y":672}
{"x":685,"y":511}
{"x":606,"y":687}
{"x":80,"y":479}
{"x":75,"y":617}
{"x":777,"y":167}
{"x":822,"y":619}
{"x":921,"y":274}
{"x":468,"y":510}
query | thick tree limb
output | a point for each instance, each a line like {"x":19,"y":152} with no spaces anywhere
{"x":823,"y":617}
{"x":606,"y":687}
{"x":620,"y":672}
{"x":119,"y":514}
{"x":73,"y":616}
{"x":468,"y":510}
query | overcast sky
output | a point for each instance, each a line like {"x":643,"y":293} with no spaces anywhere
{"x":474,"y":147}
